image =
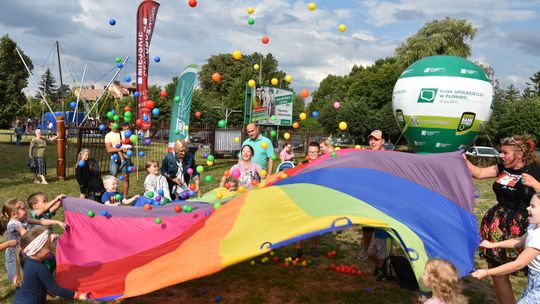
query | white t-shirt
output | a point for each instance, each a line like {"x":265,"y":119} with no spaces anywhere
{"x":114,"y":138}
{"x":533,"y":240}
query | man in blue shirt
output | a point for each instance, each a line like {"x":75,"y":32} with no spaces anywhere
{"x":262,"y":146}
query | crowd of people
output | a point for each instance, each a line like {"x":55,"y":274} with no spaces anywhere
{"x":509,"y":229}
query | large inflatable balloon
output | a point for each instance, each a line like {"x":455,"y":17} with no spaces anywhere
{"x":441,"y":103}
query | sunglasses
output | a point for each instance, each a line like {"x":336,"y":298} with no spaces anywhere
{"x":507,"y":140}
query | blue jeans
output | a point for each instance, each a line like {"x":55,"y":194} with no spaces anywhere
{"x":11,"y":267}
{"x":116,"y":166}
{"x":18,"y":139}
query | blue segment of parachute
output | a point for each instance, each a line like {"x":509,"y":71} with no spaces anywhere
{"x":447,"y":230}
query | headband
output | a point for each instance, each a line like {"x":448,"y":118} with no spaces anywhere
{"x":36,"y":244}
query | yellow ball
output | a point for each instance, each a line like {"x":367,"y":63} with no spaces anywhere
{"x":337,"y":148}
{"x":274,"y":81}
{"x":251,"y":83}
{"x":237,"y":139}
{"x":186,"y":128}
{"x":288,"y":78}
{"x":286,"y":136}
{"x":357,"y":147}
{"x":250,"y":10}
{"x":209,"y":163}
{"x":303,"y":116}
{"x":264,"y":145}
{"x":271,"y":253}
{"x":342,"y":28}
{"x":284,"y":175}
{"x":343,"y":126}
{"x":237,"y":55}
{"x":312,"y":6}
{"x":255,"y":66}
{"x":241,"y":189}
{"x":263,"y":173}
{"x":219,"y":195}
{"x":252,"y":263}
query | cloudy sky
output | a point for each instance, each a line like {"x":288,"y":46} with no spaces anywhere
{"x":306,"y":43}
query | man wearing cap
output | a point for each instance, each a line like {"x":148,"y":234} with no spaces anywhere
{"x":262,"y":146}
{"x":376,"y":143}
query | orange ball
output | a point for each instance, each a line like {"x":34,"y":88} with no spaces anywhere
{"x":227,"y":173}
{"x":216,"y":77}
{"x":192,"y":187}
{"x":147,"y":206}
{"x":296,"y":125}
{"x":198,"y":114}
{"x":304,"y":93}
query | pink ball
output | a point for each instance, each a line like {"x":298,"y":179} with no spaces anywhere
{"x":190,"y":171}
{"x":337,"y":105}
{"x":235,"y":173}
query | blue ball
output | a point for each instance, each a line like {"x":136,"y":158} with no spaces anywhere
{"x":112,"y":21}
{"x":82,"y":163}
{"x":105,"y":213}
{"x":127,"y":134}
{"x":136,"y":94}
{"x":121,"y":178}
{"x":207,"y":212}
{"x":161,"y":192}
{"x":141,"y":153}
{"x":113,"y":111}
{"x":102,"y":127}
{"x":120,"y":65}
{"x":155,"y":111}
{"x":315,"y":114}
{"x":115,"y":156}
{"x":192,"y":193}
{"x":184,"y":195}
{"x":73,"y":104}
{"x":146,"y":118}
{"x":157,"y":59}
{"x":129,"y":153}
{"x":218,"y":299}
{"x":128,"y":79}
{"x":130,"y":169}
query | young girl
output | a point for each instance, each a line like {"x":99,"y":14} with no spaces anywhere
{"x":155,"y":182}
{"x":33,"y":279}
{"x":246,"y":173}
{"x":530,"y":255}
{"x":442,"y":278}
{"x":14,"y":221}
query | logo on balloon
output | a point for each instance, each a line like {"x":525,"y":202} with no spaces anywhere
{"x":427,"y":95}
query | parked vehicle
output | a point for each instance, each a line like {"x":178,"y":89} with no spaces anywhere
{"x":483,"y":151}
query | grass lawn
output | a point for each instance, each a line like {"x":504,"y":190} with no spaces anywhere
{"x":244,"y":283}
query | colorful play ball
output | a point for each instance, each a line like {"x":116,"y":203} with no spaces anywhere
{"x":190,"y":170}
{"x":288,"y":78}
{"x":110,"y":115}
{"x":302,"y":116}
{"x":147,"y":141}
{"x":127,"y":109}
{"x":222,"y":123}
{"x":105,"y":213}
{"x":120,"y":65}
{"x":219,"y":195}
{"x":129,"y":153}
{"x":296,"y":125}
{"x":217,"y":205}
{"x":274,"y":81}
{"x":315,"y":114}
{"x":158,"y":220}
{"x":130,"y":169}
{"x":91,"y":213}
{"x":216,"y":77}
{"x":343,"y":126}
{"x":155,"y":111}
{"x":177,"y":99}
{"x":264,"y":145}
{"x":73,"y":104}
{"x":128,"y":114}
{"x":265,"y":39}
{"x":118,"y":59}
{"x":209,"y":163}
{"x":273,"y":117}
{"x":342,"y":28}
{"x":157,"y":59}
{"x":192,"y":3}
{"x":127,"y":134}
{"x":235,"y":173}
{"x":118,"y":197}
{"x":82,"y":163}
{"x":312,"y":6}
{"x":304,"y":93}
{"x":115,"y":125}
{"x":273,"y":133}
{"x":163,"y":93}
{"x":286,"y":136}
{"x":128,"y":79}
{"x":251,"y":21}
{"x":150,"y":194}
{"x":150,"y":104}
{"x":200,"y":169}
{"x":250,"y":10}
{"x":337,"y":105}
{"x":263,"y":173}
{"x":136,"y":94}
{"x":187,"y":208}
{"x":116,"y":117}
{"x":208,"y":178}
{"x":141,"y":153}
{"x":133,"y":138}
{"x":237,"y":55}
{"x":333,"y":154}
{"x":251,"y":83}
{"x":121,"y":178}
{"x":241,"y":189}
{"x":198,"y":114}
{"x":237,"y":139}
{"x":102,"y":127}
{"x":112,"y":22}
{"x":256,"y":66}
{"x":211,"y":158}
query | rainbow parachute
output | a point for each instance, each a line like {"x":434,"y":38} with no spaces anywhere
{"x":424,"y":201}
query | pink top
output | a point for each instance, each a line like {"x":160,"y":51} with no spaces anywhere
{"x":285,"y":156}
{"x":434,"y":301}
{"x":247,"y":174}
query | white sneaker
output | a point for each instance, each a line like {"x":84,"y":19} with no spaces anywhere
{"x":44,"y":182}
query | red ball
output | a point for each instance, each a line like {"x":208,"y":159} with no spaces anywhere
{"x":227,"y":185}
{"x":150,"y":104}
{"x":304,"y":93}
{"x":198,"y":114}
{"x":127,"y":141}
{"x":147,"y":206}
{"x":192,"y":187}
{"x":177,"y":208}
{"x":192,"y":3}
{"x":163,"y":93}
{"x":138,"y":122}
{"x":265,"y":39}
{"x":216,"y":77}
{"x":127,"y":109}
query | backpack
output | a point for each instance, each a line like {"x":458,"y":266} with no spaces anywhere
{"x":399,"y":268}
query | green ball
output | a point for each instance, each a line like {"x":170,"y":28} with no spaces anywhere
{"x":177,"y":99}
{"x":222,"y":124}
{"x":217,"y":205}
{"x":333,"y":154}
{"x":211,"y":158}
{"x":158,"y":220}
{"x":208,"y":178}
{"x":133,"y":138}
{"x":200,"y":169}
{"x":273,"y":117}
{"x":91,"y":213}
{"x":116,"y":117}
{"x":251,"y":21}
{"x":115,"y":125}
{"x":166,"y":201}
{"x":274,"y":157}
{"x":177,"y":132}
{"x":128,"y":114}
{"x":118,"y":197}
{"x":187,"y":208}
{"x":273,"y":133}
{"x":110,"y":115}
{"x":150,"y":194}
{"x":127,"y":119}
{"x":118,"y":59}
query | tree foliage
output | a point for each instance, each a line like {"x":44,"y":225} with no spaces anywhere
{"x":13,"y":79}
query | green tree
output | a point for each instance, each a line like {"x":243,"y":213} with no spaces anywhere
{"x":438,"y":37}
{"x":13,"y":79}
{"x":511,"y":93}
{"x":534,"y":85}
{"x":47,"y":86}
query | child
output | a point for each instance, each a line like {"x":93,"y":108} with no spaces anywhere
{"x":155,"y":182}
{"x":442,"y":278}
{"x":530,"y":255}
{"x":33,"y":279}
{"x":111,"y":196}
{"x":41,"y":208}
{"x":15,"y":227}
{"x":378,"y":250}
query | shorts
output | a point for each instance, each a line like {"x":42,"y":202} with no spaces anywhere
{"x":531,"y":293}
{"x":115,"y":166}
{"x":380,"y":248}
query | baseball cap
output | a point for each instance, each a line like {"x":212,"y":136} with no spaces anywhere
{"x":377,"y":134}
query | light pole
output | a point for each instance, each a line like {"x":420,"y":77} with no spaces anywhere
{"x":228,"y":112}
